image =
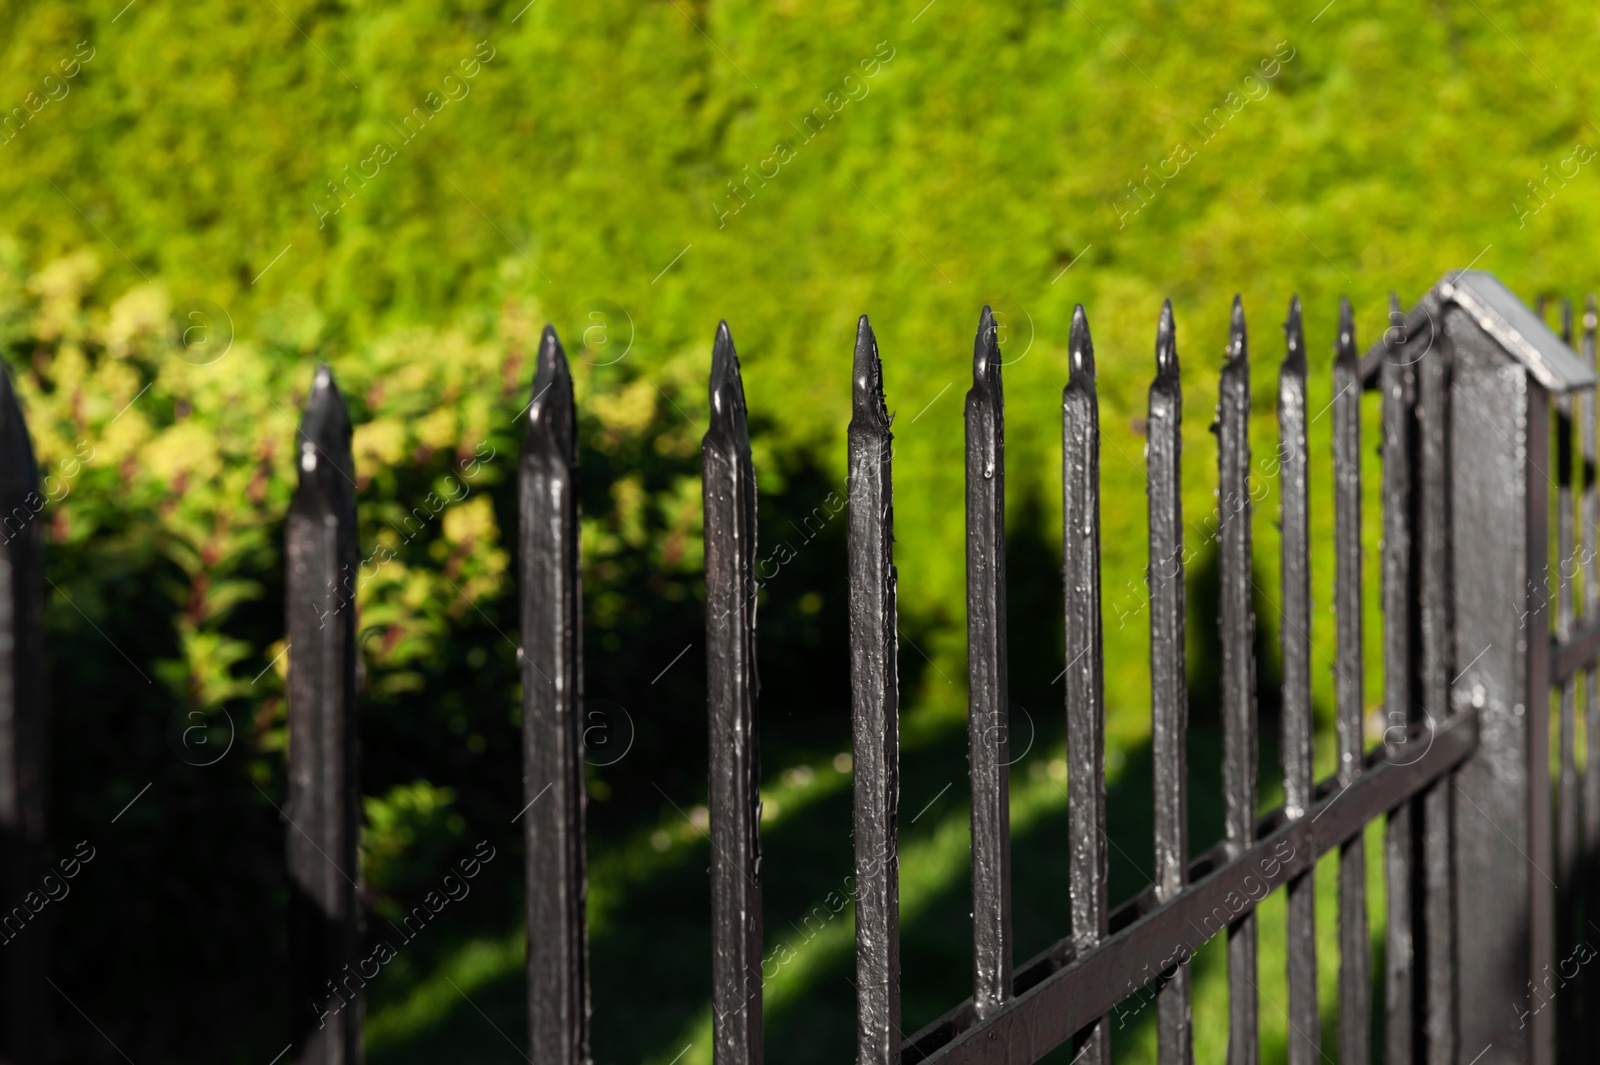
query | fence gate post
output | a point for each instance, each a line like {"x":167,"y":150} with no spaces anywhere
{"x":324,"y":796}
{"x":1499,"y":421}
{"x":24,"y":1028}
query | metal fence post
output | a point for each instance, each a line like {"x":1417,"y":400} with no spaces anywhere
{"x":552,"y":729}
{"x":324,"y":796}
{"x":1499,"y":419}
{"x":732,"y":683}
{"x":24,"y":724}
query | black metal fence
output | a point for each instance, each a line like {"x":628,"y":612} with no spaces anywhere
{"x":1481,"y":841}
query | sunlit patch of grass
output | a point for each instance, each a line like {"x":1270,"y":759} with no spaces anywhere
{"x":476,"y":963}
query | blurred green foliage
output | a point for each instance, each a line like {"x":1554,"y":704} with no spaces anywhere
{"x":408,"y":191}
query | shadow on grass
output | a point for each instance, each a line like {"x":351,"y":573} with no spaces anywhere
{"x":650,"y":955}
{"x":651,"y":958}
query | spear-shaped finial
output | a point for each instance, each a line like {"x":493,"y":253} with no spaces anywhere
{"x":325,"y":429}
{"x":1080,"y":350}
{"x":985,"y":400}
{"x":1234,"y":384}
{"x":1396,"y":333}
{"x":986,"y":351}
{"x":1294,"y":359}
{"x":727,"y":391}
{"x":19,"y":473}
{"x":1166,"y":342}
{"x":1344,"y":348}
{"x":1238,"y":349}
{"x":9,"y":407}
{"x":552,"y":429}
{"x":867,"y":404}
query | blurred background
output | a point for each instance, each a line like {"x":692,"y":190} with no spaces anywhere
{"x":202,"y":201}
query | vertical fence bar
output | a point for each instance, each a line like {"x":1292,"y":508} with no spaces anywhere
{"x":552,"y":707}
{"x":1437,"y":654}
{"x":988,"y":745}
{"x":1305,"y":1025}
{"x":1590,"y":863}
{"x":324,"y":790}
{"x":875,"y":708}
{"x":1399,"y":683}
{"x":1541,"y":905}
{"x":1085,"y":673}
{"x":1169,"y":680}
{"x":730,"y":533}
{"x":1569,"y":1005}
{"x":24,"y":730}
{"x":1355,"y":994}
{"x":1238,"y":624}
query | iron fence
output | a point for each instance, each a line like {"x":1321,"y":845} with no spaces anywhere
{"x":1480,"y":841}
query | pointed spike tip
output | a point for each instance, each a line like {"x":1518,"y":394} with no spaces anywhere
{"x":1166,"y":341}
{"x":552,"y":358}
{"x":727,"y":388}
{"x":1080,"y":349}
{"x":551,"y":423}
{"x":324,"y":393}
{"x":549,"y":367}
{"x":863,"y":331}
{"x":1396,"y":333}
{"x":1344,"y":347}
{"x":1237,"y":346}
{"x":14,"y":430}
{"x":325,"y":424}
{"x":868,"y":399}
{"x":986,"y":347}
{"x":1294,"y":337}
